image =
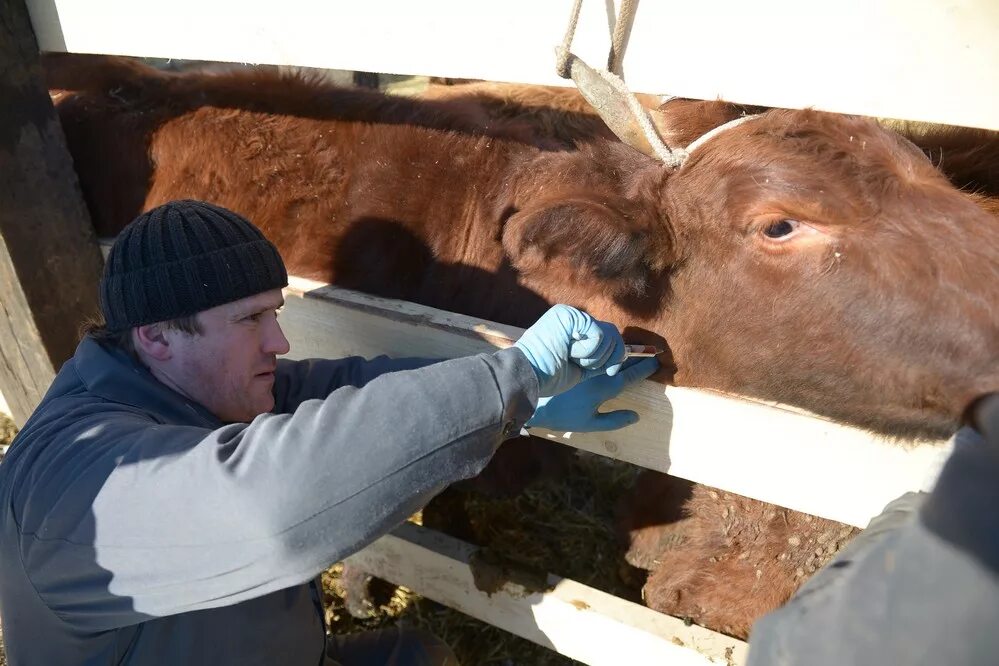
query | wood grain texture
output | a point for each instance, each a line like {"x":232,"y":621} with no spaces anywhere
{"x":575,"y":620}
{"x":49,"y":263}
{"x":928,"y":61}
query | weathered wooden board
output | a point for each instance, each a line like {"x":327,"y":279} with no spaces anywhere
{"x":913,"y":59}
{"x":575,"y":620}
{"x":772,"y":453}
{"x":49,"y":263}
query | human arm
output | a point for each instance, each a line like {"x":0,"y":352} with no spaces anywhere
{"x":298,"y":381}
{"x":919,"y":586}
{"x":135,"y":519}
{"x":595,"y":349}
{"x":596,"y":344}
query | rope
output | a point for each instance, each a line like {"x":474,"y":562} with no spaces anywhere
{"x":563,"y":67}
{"x":672,"y":158}
{"x":562,"y":52}
{"x":710,"y":134}
{"x":622,"y":29}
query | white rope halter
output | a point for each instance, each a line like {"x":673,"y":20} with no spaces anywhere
{"x":710,"y":134}
{"x":570,"y":66}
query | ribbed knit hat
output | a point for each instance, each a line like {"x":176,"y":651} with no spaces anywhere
{"x":184,"y":257}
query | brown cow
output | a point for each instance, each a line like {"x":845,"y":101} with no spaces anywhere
{"x":716,"y":557}
{"x":803,"y":257}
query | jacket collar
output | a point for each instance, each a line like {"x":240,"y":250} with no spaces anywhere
{"x":113,"y":375}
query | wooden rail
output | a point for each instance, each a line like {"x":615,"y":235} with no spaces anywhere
{"x":912,"y":59}
{"x":771,"y":453}
{"x":563,"y":615}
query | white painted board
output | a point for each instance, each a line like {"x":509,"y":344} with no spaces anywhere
{"x":772,"y":453}
{"x":575,"y":620}
{"x":914,"y":59}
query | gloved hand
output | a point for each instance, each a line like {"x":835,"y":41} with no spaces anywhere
{"x":567,"y":345}
{"x":576,"y":409}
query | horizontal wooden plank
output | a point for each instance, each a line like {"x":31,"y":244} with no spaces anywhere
{"x":573,"y":619}
{"x":919,"y":60}
{"x":771,"y":453}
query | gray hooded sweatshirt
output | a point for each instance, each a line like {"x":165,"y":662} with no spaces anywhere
{"x":136,"y":528}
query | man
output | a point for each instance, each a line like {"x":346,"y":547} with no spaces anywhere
{"x":177,"y":491}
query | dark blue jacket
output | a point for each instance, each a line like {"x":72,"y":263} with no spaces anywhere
{"x":135,"y":528}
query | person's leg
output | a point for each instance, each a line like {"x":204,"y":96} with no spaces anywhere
{"x":393,"y":646}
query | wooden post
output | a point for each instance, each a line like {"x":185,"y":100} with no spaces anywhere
{"x":49,"y":259}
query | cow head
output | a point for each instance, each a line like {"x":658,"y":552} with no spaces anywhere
{"x":802,"y":257}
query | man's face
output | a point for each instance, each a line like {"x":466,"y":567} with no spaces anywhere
{"x":229,"y":367}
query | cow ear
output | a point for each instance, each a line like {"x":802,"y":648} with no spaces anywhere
{"x":610,"y":240}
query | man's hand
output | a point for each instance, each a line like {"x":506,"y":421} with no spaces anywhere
{"x":576,"y":409}
{"x":567,"y":346}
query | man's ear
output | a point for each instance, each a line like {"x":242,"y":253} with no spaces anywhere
{"x":610,"y":240}
{"x":151,"y":340}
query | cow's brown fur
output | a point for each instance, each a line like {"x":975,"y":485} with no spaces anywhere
{"x":719,"y":558}
{"x":716,"y":557}
{"x":967,"y":156}
{"x":883,"y":318}
{"x":564,"y":114}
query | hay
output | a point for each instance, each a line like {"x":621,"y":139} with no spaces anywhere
{"x":7,"y":430}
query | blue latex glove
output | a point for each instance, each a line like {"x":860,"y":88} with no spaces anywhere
{"x":567,"y":346}
{"x":576,"y":409}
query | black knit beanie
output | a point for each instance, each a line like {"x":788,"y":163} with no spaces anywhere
{"x":184,"y":257}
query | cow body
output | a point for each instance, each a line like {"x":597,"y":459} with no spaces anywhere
{"x":805,"y":258}
{"x":713,"y":556}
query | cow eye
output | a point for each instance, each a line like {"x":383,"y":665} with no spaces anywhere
{"x":781,"y":228}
